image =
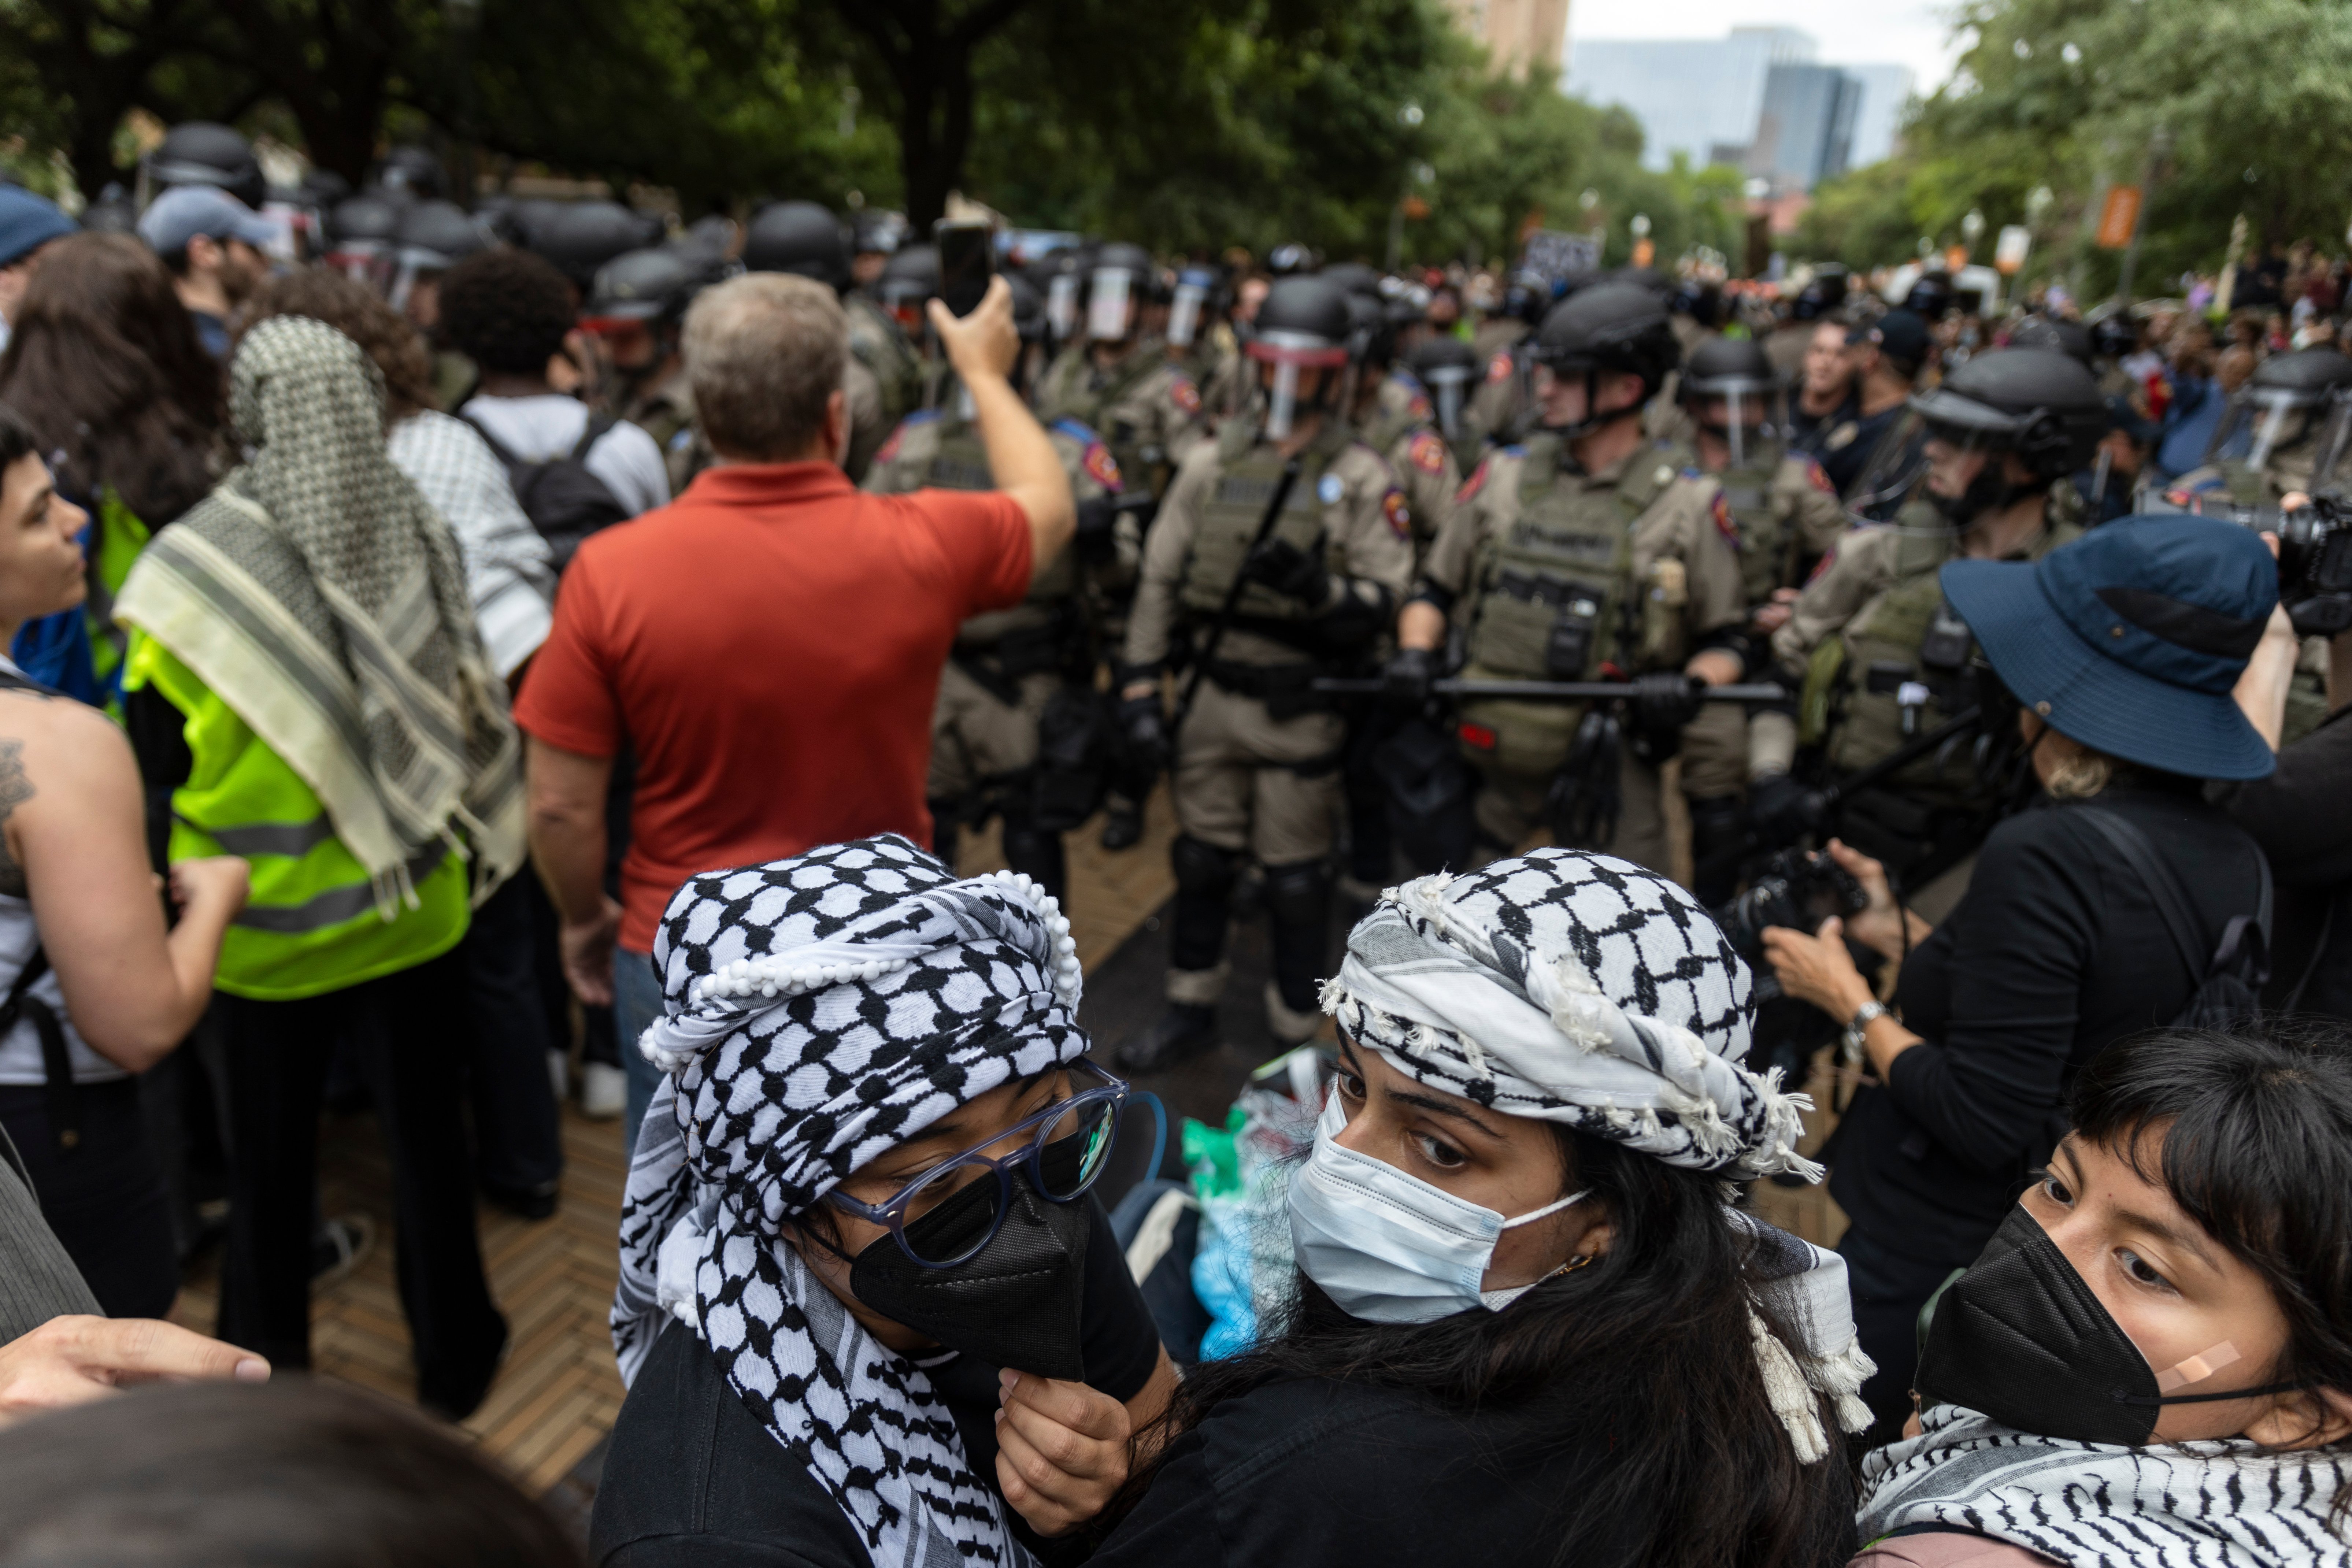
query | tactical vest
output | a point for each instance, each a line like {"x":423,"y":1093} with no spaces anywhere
{"x":1906,"y":649}
{"x":1394,"y":415}
{"x":960,"y":462}
{"x":1553,"y":599}
{"x":881,"y":346}
{"x":1767,"y":529}
{"x":1069,"y":393}
{"x":1248,"y":472}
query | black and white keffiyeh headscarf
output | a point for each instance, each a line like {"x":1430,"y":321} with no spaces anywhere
{"x":820,"y":1011}
{"x":2226,"y":1503}
{"x":1582,"y":989}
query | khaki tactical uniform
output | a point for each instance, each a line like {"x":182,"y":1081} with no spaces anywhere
{"x":1145,"y":406}
{"x":1495,"y":408}
{"x":1557,"y":573}
{"x":1257,"y":762}
{"x":667,"y":415}
{"x":877,"y":343}
{"x":1007,"y":665}
{"x":1404,"y":429}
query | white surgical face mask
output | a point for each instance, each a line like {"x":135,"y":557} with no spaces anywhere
{"x":1388,"y":1248}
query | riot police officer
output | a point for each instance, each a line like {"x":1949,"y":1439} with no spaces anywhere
{"x":1396,"y":416}
{"x":1878,"y":655}
{"x":2268,"y":438}
{"x":1782,"y":514}
{"x":1496,"y":409}
{"x":1283,"y":546}
{"x":431,"y":238}
{"x":1116,"y":380}
{"x":362,"y":237}
{"x":1017,"y":731}
{"x":199,"y":152}
{"x":581,"y":237}
{"x":637,"y":313}
{"x":1448,"y":368}
{"x":1583,"y":554}
{"x":884,"y":381}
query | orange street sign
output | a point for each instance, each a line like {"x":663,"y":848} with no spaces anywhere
{"x":2119,"y":218}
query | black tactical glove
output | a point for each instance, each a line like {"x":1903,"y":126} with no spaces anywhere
{"x":1780,"y":810}
{"x":1664,"y":700}
{"x":1404,"y":683}
{"x":1143,"y":732}
{"x":1097,"y":519}
{"x":1290,"y":570}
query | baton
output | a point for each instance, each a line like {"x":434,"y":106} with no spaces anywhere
{"x":1265,"y":527}
{"x":1543,"y":690}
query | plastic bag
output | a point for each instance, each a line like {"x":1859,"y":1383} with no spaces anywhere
{"x":1241,"y":1172}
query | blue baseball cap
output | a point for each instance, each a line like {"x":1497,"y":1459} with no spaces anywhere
{"x":2131,"y":639}
{"x":183,"y":212}
{"x":28,"y":222}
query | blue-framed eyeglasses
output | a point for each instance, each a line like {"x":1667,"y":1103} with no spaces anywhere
{"x":1068,"y":1145}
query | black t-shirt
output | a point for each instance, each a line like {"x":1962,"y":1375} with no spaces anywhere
{"x":1807,"y":433}
{"x":1845,"y":457}
{"x":2056,"y":951}
{"x":2297,"y":815}
{"x":694,"y":1479}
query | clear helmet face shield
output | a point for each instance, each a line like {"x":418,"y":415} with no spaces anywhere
{"x":1062,"y":305}
{"x":1184,"y":309}
{"x":1749,"y":416}
{"x":2264,"y":426}
{"x":365,"y":261}
{"x":1109,"y":292}
{"x":411,"y":264}
{"x":1895,"y":471}
{"x":1290,"y":353}
{"x":1449,"y":389}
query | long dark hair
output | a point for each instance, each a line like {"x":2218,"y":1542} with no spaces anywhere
{"x":105,"y":365}
{"x":2250,"y":1130}
{"x":1650,"y":1348}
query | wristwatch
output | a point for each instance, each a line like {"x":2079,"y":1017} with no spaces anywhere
{"x":1850,"y":1042}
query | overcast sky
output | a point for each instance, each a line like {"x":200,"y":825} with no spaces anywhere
{"x":1852,"y":32}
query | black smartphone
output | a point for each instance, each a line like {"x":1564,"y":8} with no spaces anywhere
{"x":967,"y":261}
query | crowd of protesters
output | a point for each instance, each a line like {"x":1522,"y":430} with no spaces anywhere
{"x":450,"y":650}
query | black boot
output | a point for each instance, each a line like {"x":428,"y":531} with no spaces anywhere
{"x":1036,"y":854}
{"x":1299,"y":919}
{"x":1718,"y":839}
{"x":1182,"y":1030}
{"x":1122,"y":824}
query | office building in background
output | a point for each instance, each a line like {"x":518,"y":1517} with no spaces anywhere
{"x":1760,"y":100}
{"x":1522,"y":36}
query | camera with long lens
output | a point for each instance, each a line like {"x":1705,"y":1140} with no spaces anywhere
{"x":2314,"y":555}
{"x":1798,"y":889}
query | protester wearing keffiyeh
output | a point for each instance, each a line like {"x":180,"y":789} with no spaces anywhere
{"x":1581,"y":989}
{"x":819,"y":1011}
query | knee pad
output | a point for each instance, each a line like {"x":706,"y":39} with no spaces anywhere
{"x":1201,"y":867}
{"x":1297,"y":894}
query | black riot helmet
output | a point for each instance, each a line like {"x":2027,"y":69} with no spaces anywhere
{"x":1289,"y":258}
{"x":362,"y":234}
{"x":910,"y":277}
{"x":432,"y":237}
{"x":412,"y":171}
{"x":1930,"y":297}
{"x":1450,"y":369}
{"x":1304,"y":322}
{"x":1117,"y":281}
{"x":1354,"y":276}
{"x":2069,"y":338}
{"x":1699,"y":300}
{"x":2038,"y":404}
{"x":1371,"y":340}
{"x":873,"y":233}
{"x":1199,"y":294}
{"x":653,"y":286}
{"x":1732,"y":392}
{"x":1823,"y":295}
{"x":1608,"y":327}
{"x":800,"y":237}
{"x":202,"y":154}
{"x":111,"y":213}
{"x":586,"y":234}
{"x":711,"y":236}
{"x":2270,"y":420}
{"x":1649,"y":277}
{"x":1028,"y":307}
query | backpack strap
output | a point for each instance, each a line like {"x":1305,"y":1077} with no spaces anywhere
{"x":591,"y":433}
{"x":2234,"y":952}
{"x":498,"y":449}
{"x":59,"y":1098}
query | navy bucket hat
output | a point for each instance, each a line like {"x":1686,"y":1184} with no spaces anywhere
{"x":2130,"y":640}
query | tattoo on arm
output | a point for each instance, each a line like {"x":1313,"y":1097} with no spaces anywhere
{"x":15,"y":789}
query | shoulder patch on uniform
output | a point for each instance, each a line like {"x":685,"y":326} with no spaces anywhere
{"x":1470,"y":486}
{"x":1329,"y":488}
{"x":1427,"y":453}
{"x":1819,"y":477}
{"x":1690,"y":471}
{"x":1514,"y":450}
{"x":1100,"y":466}
{"x":1821,"y":566}
{"x":1077,"y":430}
{"x":1500,"y":367}
{"x":1184,"y":393}
{"x":1400,"y":515}
{"x":1720,"y":510}
{"x":920,"y":416}
{"x":1420,"y":407}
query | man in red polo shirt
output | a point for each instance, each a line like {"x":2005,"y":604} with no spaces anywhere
{"x":770,"y":644}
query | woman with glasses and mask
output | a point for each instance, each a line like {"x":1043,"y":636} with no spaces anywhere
{"x":1527,"y":1327}
{"x":869,"y":1310}
{"x":2093,"y":915}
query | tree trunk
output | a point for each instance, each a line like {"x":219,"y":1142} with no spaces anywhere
{"x":928,"y":61}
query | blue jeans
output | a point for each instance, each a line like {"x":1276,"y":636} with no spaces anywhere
{"x":636,"y":1002}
